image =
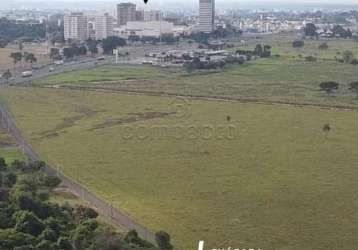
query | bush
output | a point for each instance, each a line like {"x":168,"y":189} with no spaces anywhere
{"x":323,"y":46}
{"x":329,"y":87}
{"x":311,"y":59}
{"x":27,"y":222}
{"x":298,"y":44}
{"x":354,"y":62}
{"x":163,"y":240}
{"x":50,"y":181}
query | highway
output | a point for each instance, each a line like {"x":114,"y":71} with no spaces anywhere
{"x":66,"y":67}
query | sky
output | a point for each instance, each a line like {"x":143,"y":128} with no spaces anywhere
{"x":175,"y":4}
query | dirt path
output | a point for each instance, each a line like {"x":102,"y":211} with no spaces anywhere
{"x":213,"y":98}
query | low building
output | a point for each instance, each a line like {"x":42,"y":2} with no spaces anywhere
{"x":152,"y":29}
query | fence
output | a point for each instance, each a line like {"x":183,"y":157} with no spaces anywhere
{"x":107,"y":210}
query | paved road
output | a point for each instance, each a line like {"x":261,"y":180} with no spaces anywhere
{"x":137,"y":56}
{"x":69,"y":66}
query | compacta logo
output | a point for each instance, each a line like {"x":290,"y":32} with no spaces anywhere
{"x":202,"y":243}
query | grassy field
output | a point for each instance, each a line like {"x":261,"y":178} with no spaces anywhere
{"x":282,"y":45}
{"x":278,"y":182}
{"x":283,"y":79}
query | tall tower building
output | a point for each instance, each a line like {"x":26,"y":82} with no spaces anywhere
{"x":152,"y":15}
{"x":126,"y":12}
{"x":206,"y":15}
{"x":75,"y":26}
{"x":103,"y":26}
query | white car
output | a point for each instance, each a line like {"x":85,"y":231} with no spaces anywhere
{"x":51,"y":69}
{"x":26,"y":74}
{"x":59,"y":62}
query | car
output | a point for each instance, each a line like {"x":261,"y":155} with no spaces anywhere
{"x":147,"y":62}
{"x":36,"y":67}
{"x":51,"y":69}
{"x":101,"y":58}
{"x":59,"y":62}
{"x":26,"y":73}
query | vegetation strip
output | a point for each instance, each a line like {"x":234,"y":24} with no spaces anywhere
{"x":118,"y":217}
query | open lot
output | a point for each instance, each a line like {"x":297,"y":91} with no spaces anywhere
{"x":231,"y":173}
{"x":277,"y":182}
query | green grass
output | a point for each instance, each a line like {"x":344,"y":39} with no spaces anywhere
{"x":8,"y":148}
{"x":280,"y":183}
{"x":275,"y":79}
{"x":11,"y":154}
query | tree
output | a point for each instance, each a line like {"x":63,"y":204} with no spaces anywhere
{"x":7,"y":75}
{"x":3,"y":42}
{"x":134,"y":38}
{"x":92,"y":46}
{"x":329,"y":87}
{"x":68,"y":52}
{"x":54,"y":53}
{"x":30,"y":58}
{"x":16,"y":57}
{"x":64,"y":244}
{"x":163,"y":240}
{"x":338,"y":30}
{"x":168,"y":38}
{"x":84,"y":213}
{"x":267,"y":51}
{"x":111,"y":43}
{"x":347,"y":56}
{"x":3,"y":164}
{"x":354,"y":88}
{"x":298,"y":44}
{"x":27,"y":222}
{"x":311,"y":59}
{"x":326,"y":129}
{"x":258,"y":50}
{"x":10,"y":239}
{"x":310,"y":30}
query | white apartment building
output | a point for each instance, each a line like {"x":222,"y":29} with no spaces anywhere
{"x":152,"y":15}
{"x":206,"y":15}
{"x":103,"y":26}
{"x":75,"y":26}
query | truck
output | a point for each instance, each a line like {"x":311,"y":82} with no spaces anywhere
{"x":26,"y":74}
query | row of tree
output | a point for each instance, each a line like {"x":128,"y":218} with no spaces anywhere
{"x":23,"y":57}
{"x":331,"y":86}
{"x":11,"y":30}
{"x":29,"y":221}
{"x":310,"y":30}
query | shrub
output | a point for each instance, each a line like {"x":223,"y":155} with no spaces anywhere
{"x":311,"y":59}
{"x":323,"y":46}
{"x":329,"y":87}
{"x":298,"y":43}
{"x":163,"y":240}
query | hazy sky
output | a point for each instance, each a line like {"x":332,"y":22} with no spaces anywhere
{"x":173,"y":4}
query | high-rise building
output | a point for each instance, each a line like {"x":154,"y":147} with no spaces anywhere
{"x":152,"y":15}
{"x":206,"y":15}
{"x":103,"y":26}
{"x":126,"y":12}
{"x":75,"y":26}
{"x":139,"y":16}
